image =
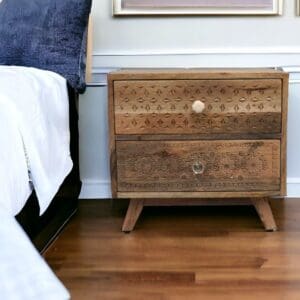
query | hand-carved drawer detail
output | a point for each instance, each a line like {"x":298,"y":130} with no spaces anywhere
{"x":189,"y":136}
{"x":165,"y":106}
{"x":198,"y":166}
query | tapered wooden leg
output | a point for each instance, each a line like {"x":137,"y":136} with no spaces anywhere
{"x":133,"y":212}
{"x":264,"y":211}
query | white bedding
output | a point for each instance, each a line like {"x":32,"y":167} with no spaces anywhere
{"x":34,"y":122}
{"x":24,"y":275}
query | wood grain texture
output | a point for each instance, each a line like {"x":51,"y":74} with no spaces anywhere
{"x":285,"y":86}
{"x":112,"y":142}
{"x":222,"y":165}
{"x":211,"y":253}
{"x":89,"y":51}
{"x":211,"y":136}
{"x":196,"y":73}
{"x":165,"y":106}
{"x":133,"y":212}
{"x":236,"y":147}
{"x":195,"y":195}
{"x":196,"y":202}
{"x":264,"y":211}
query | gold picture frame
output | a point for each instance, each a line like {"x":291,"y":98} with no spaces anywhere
{"x":197,"y":7}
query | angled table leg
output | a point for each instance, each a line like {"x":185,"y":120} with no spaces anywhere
{"x":264,"y":211}
{"x":133,"y":212}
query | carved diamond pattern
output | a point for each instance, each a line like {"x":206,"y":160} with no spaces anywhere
{"x":155,"y":166}
{"x":230,"y":106}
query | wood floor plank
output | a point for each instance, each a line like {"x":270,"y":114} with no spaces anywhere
{"x":179,"y":253}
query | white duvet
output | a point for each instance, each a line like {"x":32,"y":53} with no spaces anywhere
{"x":34,"y":134}
{"x":24,"y":275}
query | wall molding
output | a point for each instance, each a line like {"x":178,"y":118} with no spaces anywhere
{"x":210,"y":57}
{"x":99,"y":75}
{"x":201,"y":51}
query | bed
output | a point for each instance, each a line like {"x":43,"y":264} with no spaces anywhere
{"x":58,"y":32}
{"x":24,"y":275}
{"x":42,"y":229}
{"x":42,"y":71}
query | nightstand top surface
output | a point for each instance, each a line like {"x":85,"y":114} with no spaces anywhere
{"x":195,"y":73}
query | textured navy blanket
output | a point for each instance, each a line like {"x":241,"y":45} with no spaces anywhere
{"x":46,"y":34}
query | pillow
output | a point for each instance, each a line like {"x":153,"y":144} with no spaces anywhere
{"x":46,"y":34}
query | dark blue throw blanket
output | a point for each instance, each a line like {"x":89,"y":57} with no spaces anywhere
{"x":46,"y":34}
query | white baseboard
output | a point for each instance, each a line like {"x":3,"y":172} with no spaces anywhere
{"x":293,"y":190}
{"x":93,"y":189}
{"x":293,"y":187}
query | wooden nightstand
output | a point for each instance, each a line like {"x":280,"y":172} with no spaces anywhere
{"x":189,"y":136}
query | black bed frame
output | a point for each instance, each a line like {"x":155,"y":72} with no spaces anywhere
{"x":42,"y":230}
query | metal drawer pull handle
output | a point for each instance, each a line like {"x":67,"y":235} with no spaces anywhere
{"x":198,"y":106}
{"x":198,"y":168}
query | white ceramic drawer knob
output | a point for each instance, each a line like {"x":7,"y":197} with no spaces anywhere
{"x":198,"y":106}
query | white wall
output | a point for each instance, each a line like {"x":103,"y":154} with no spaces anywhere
{"x":156,"y":34}
{"x":183,"y":42}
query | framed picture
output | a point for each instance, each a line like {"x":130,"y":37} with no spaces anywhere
{"x":197,"y":7}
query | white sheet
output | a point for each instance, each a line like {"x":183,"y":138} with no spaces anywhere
{"x":14,"y":181}
{"x":24,"y":275}
{"x":34,"y":113}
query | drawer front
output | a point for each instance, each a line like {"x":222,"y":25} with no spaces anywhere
{"x":165,"y":106}
{"x":169,"y":166}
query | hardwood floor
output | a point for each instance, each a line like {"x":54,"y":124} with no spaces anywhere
{"x":179,"y":253}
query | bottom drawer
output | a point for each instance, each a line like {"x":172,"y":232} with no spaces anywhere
{"x":198,"y":166}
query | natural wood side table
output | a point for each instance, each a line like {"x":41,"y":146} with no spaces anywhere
{"x":198,"y":136}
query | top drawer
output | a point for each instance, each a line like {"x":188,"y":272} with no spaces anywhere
{"x":165,"y":106}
